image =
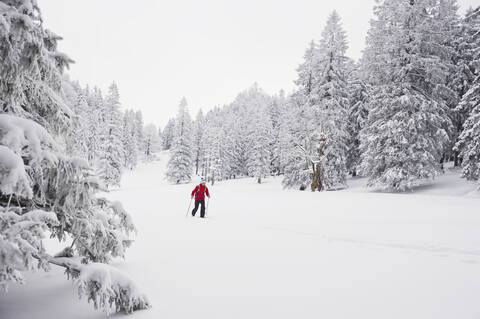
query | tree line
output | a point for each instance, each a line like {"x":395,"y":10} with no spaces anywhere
{"x":59,"y":146}
{"x":410,"y":104}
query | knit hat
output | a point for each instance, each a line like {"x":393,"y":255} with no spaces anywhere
{"x":202,"y":179}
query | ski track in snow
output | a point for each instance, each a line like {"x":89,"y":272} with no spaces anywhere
{"x":429,"y":248}
{"x":264,"y":252}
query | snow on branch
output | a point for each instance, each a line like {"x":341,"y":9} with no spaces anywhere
{"x":109,"y":289}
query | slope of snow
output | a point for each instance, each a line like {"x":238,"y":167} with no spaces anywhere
{"x":265,"y":252}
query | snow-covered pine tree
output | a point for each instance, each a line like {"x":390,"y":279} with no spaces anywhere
{"x":276,"y":110}
{"x":357,"y":116}
{"x":468,"y":143}
{"x":198,"y":129}
{"x":160,"y":138}
{"x":468,"y":61}
{"x":323,"y":100}
{"x":113,"y":153}
{"x":408,"y":125}
{"x":140,"y":138}
{"x":96,"y":124}
{"x":129,"y":140}
{"x":152,"y":142}
{"x":180,"y":164}
{"x":259,"y":131}
{"x":214,"y":166}
{"x":167,"y":135}
{"x":330,"y":100}
{"x":300,"y":126}
{"x":77,"y":139}
{"x":453,"y":54}
{"x":41,"y":188}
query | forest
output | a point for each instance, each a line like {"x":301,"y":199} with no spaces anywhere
{"x":396,"y":117}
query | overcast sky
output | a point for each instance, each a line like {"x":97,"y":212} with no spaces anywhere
{"x":206,"y":50}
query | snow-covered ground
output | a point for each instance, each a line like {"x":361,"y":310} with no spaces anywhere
{"x":265,"y":252}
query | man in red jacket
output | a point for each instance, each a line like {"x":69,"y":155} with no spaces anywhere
{"x":199,"y":192}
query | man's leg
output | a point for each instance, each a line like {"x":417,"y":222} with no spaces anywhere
{"x":197,"y":202}
{"x":202,"y":209}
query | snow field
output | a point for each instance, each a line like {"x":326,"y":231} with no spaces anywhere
{"x":265,"y":252}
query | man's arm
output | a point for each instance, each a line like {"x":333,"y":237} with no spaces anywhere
{"x":195,"y":190}
{"x":206,"y":191}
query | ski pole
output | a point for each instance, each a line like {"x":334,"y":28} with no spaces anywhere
{"x":188,"y":210}
{"x":206,"y":210}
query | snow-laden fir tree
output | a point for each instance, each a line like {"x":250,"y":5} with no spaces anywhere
{"x":276,"y":111}
{"x":323,"y":100}
{"x":300,"y":127}
{"x":330,"y":100}
{"x":290,"y":157}
{"x":408,"y":126}
{"x":357,"y":116}
{"x":214,"y":160}
{"x":180,"y":165}
{"x":129,"y":140}
{"x":140,"y":139}
{"x":259,"y":132}
{"x":152,"y":142}
{"x":113,"y":153}
{"x":77,"y":140}
{"x":95,"y":124}
{"x":468,"y":143}
{"x":42,"y":189}
{"x":198,"y":129}
{"x":467,"y":63}
{"x":167,"y":135}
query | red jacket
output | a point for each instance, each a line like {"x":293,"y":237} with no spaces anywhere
{"x":200,"y":192}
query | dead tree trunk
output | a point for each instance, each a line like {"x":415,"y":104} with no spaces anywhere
{"x":317,"y":179}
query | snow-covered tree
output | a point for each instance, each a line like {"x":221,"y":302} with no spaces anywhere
{"x":214,"y":160}
{"x":41,"y":187}
{"x":198,"y":131}
{"x":408,"y":126}
{"x":140,"y":139}
{"x":276,"y":110}
{"x":180,"y":165}
{"x":129,"y":140}
{"x":95,"y":124}
{"x":77,"y":139}
{"x":260,"y":140}
{"x":168,"y":134}
{"x":152,"y":142}
{"x":357,"y":116}
{"x":468,"y":144}
{"x":112,"y":156}
{"x":323,"y":101}
{"x":297,"y":167}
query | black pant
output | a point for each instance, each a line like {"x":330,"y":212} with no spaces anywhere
{"x":202,"y":209}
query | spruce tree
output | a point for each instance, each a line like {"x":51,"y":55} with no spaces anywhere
{"x":167,"y":135}
{"x":199,"y":127}
{"x":128,"y":139}
{"x":152,"y":142}
{"x":468,"y":143}
{"x":408,"y":127}
{"x":260,"y":133}
{"x":43,"y":190}
{"x":180,"y":165}
{"x":322,"y":100}
{"x":113,"y":153}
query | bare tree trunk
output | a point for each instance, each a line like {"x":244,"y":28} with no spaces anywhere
{"x":317,"y":180}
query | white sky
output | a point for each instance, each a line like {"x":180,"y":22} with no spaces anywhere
{"x":205,"y":50}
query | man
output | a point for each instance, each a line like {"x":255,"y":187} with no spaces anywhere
{"x":199,"y":192}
